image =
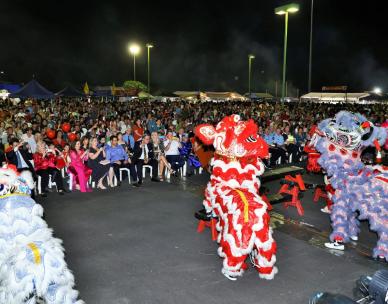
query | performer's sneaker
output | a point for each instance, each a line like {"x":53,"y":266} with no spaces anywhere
{"x":326,"y":210}
{"x":354,"y":238}
{"x":335,"y":245}
{"x":228,"y":276}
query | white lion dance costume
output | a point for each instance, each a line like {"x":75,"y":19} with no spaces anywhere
{"x":232,"y":196}
{"x":32,"y":265}
{"x":360,"y":191}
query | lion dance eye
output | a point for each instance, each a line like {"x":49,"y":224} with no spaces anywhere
{"x":251,"y":139}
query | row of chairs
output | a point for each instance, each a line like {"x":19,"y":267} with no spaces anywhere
{"x":182,"y":172}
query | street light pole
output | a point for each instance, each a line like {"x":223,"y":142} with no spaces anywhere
{"x":311,"y":44}
{"x":285,"y":55}
{"x":250,"y":57}
{"x":134,"y":67}
{"x":134,"y":49}
{"x":285,"y":10}
{"x":149,"y":46}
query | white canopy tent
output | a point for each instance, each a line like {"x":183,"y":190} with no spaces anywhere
{"x":334,"y":97}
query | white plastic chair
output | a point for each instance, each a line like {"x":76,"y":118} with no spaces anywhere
{"x":39,"y":184}
{"x":121,"y":175}
{"x":144,"y":170}
{"x":70,"y":181}
{"x":51,"y":183}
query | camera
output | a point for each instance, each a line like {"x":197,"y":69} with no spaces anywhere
{"x":368,"y":290}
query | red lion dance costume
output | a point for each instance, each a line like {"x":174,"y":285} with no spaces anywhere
{"x":232,"y":196}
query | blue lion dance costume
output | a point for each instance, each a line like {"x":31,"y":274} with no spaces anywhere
{"x":32,"y":265}
{"x":361,"y":192}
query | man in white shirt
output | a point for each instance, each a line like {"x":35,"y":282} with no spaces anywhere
{"x":30,"y":139}
{"x":171,"y":150}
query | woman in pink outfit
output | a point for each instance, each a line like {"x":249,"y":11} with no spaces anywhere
{"x":80,"y":171}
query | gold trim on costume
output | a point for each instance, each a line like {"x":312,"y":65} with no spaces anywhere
{"x":35,"y":251}
{"x":246,"y":205}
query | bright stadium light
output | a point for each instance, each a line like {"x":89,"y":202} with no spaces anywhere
{"x":250,"y":58}
{"x":134,"y":49}
{"x":377,"y":90}
{"x":288,"y":8}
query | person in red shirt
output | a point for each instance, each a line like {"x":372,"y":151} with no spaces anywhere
{"x":44,"y":163}
{"x":138,"y":130}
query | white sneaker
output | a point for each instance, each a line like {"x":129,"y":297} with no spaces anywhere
{"x":335,"y":245}
{"x":228,"y":276}
{"x":354,"y":238}
{"x":326,"y":210}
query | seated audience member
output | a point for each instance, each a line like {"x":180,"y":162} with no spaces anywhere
{"x":290,"y":145}
{"x":275,"y":142}
{"x":158,"y":149}
{"x":128,"y":138}
{"x":188,"y":155}
{"x":59,"y":141}
{"x":80,"y":171}
{"x":160,"y":127}
{"x":85,"y":144}
{"x":44,"y":161}
{"x":118,"y":158}
{"x":121,"y":142}
{"x":300,"y":137}
{"x":279,"y":146}
{"x":171,"y":150}
{"x":30,"y":139}
{"x":180,"y":134}
{"x":98,"y":164}
{"x":18,"y":154}
{"x":66,"y":155}
{"x":38,"y":137}
{"x":2,"y":155}
{"x":143,"y":154}
{"x":60,"y":162}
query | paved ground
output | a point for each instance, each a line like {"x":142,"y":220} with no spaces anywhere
{"x":140,"y":246}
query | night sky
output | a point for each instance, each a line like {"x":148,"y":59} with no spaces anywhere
{"x":199,"y":45}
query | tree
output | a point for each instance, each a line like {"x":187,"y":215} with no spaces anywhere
{"x":134,"y":85}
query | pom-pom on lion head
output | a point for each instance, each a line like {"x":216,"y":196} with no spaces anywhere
{"x":233,"y":138}
{"x":12,"y":181}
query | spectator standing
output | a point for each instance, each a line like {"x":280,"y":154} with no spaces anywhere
{"x":151,"y":124}
{"x":138,"y":130}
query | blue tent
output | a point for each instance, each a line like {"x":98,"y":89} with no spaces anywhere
{"x":70,"y":91}
{"x":10,"y":87}
{"x":33,"y":89}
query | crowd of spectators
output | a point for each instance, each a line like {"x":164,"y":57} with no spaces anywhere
{"x":106,"y":136}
